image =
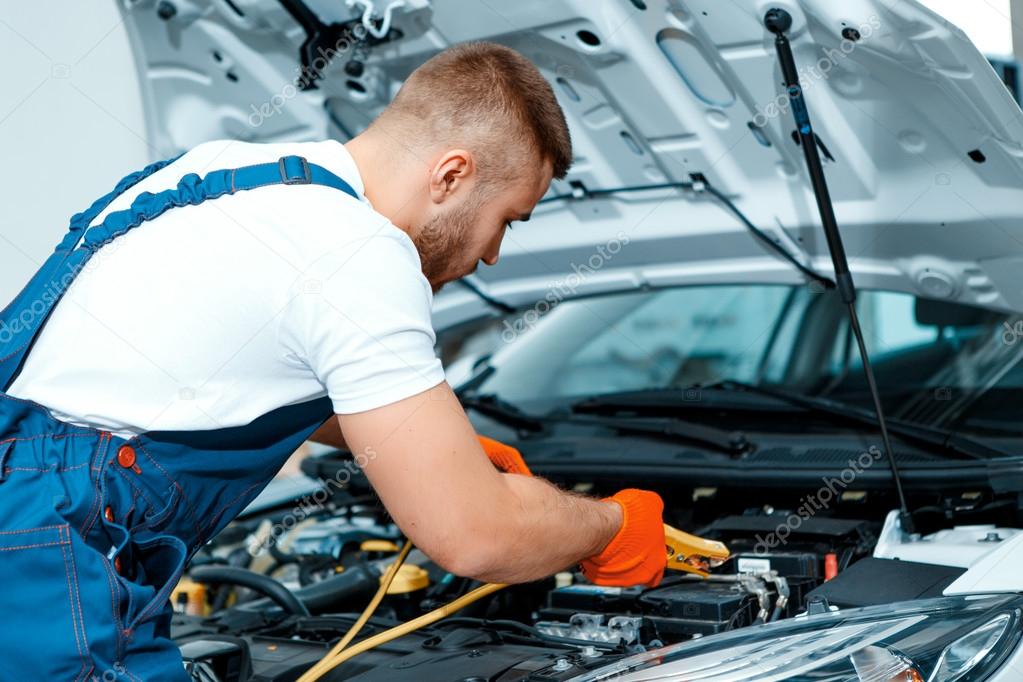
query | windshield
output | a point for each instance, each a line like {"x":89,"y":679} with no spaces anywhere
{"x":946,"y":365}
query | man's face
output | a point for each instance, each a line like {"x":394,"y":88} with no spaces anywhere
{"x":453,"y":242}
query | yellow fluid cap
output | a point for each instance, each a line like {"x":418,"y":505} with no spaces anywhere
{"x":378,"y":546}
{"x":195,"y":596}
{"x":409,"y":579}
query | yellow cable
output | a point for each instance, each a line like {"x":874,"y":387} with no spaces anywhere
{"x":332,"y":661}
{"x":321,"y":667}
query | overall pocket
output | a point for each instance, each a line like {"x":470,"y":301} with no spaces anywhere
{"x":42,"y":628}
{"x":160,"y":561}
{"x":150,"y":562}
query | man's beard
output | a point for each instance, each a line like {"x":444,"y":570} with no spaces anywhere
{"x":441,"y":242}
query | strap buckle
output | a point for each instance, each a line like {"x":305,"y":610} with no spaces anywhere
{"x":295,"y":170}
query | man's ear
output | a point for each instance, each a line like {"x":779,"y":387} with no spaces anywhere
{"x":454,"y":172}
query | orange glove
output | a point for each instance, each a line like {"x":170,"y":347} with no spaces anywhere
{"x":637,"y":554}
{"x":505,"y":457}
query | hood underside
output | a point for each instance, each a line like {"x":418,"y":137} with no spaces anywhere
{"x":921,"y":140}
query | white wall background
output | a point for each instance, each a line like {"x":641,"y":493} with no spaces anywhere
{"x":70,"y":122}
{"x":985,"y":22}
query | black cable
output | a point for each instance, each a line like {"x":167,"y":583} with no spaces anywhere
{"x":759,"y":234}
{"x":243,"y":577}
{"x":588,"y":193}
{"x":500,"y":306}
{"x":826,"y":282}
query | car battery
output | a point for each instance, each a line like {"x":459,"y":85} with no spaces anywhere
{"x":671,"y":613}
{"x":802,"y":564}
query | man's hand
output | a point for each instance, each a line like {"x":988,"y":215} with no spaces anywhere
{"x":637,"y":554}
{"x":423,"y":458}
{"x":504,"y":457}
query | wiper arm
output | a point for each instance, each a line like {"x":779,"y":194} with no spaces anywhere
{"x":953,"y":442}
{"x":493,"y":407}
{"x":489,"y":405}
{"x":729,"y":442}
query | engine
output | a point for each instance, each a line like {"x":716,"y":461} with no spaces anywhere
{"x":268,"y":598}
{"x":234,"y":621}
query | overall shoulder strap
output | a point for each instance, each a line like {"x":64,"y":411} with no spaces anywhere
{"x":24,"y":317}
{"x":80,"y":221}
{"x":193,"y":190}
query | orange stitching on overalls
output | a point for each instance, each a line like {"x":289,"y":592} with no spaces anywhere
{"x":78,"y":598}
{"x":77,"y":466}
{"x":31,"y":530}
{"x":70,"y":591}
{"x":16,"y":351}
{"x":154,"y":604}
{"x":223,"y":508}
{"x":97,"y":502}
{"x":112,"y":583}
{"x":181,"y":491}
{"x":38,"y":544}
{"x":131,"y":510}
{"x":87,"y":673}
{"x":159,"y":603}
{"x":136,"y":489}
{"x":54,"y":436}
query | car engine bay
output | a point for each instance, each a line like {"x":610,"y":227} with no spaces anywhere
{"x":267,"y":598}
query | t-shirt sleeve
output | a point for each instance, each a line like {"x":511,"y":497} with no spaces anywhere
{"x":360,"y":320}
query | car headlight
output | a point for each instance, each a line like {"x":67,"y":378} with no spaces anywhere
{"x":949,"y":639}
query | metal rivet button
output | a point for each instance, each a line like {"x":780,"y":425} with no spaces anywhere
{"x":126,"y":456}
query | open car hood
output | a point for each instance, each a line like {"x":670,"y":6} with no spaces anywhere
{"x":921,"y":140}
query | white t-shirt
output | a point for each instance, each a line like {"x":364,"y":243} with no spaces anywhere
{"x":210,"y":316}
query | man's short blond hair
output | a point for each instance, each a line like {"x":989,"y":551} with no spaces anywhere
{"x":489,"y":99}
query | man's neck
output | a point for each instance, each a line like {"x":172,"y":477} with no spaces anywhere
{"x":382,"y":180}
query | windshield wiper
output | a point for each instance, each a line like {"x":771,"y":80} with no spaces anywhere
{"x":927,"y":435}
{"x":680,"y":398}
{"x":625,"y":412}
{"x":501,"y":411}
{"x":728,"y":442}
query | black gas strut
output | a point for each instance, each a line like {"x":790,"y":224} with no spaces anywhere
{"x":778,"y":22}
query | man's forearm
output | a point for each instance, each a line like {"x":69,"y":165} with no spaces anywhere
{"x":546,"y":530}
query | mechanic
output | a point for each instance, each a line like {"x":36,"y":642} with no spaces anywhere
{"x":222,"y":307}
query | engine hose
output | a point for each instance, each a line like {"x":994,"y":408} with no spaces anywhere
{"x":322,"y":667}
{"x":355,"y":584}
{"x":329,"y":663}
{"x":243,"y":577}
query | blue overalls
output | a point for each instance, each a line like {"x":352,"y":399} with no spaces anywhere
{"x":95,"y":530}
